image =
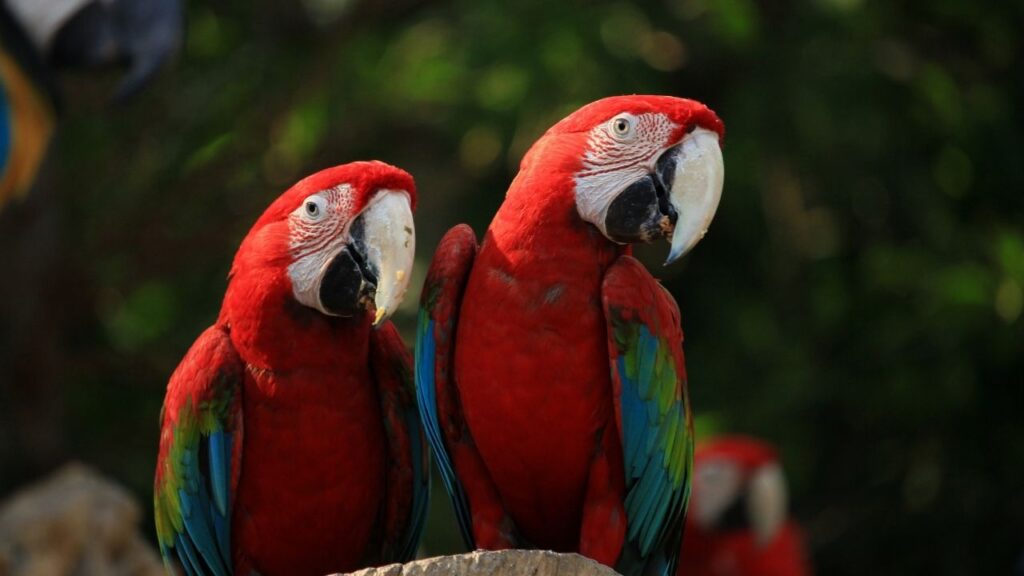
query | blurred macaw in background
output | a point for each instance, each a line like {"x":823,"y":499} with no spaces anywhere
{"x":290,"y":441}
{"x":549,"y":363}
{"x":27,"y":110}
{"x":37,"y":35}
{"x":739,"y":522}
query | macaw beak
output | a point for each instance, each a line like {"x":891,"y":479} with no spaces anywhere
{"x":391,"y":247}
{"x":372,"y":271}
{"x":767,"y":503}
{"x":699,"y":174}
{"x":676,"y":200}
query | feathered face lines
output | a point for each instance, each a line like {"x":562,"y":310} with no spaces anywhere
{"x":318,"y":233}
{"x":320,"y":221}
{"x":626,"y":142}
{"x":340,"y":241}
{"x":685,"y":114}
{"x":345,"y":262}
{"x":647,"y":173}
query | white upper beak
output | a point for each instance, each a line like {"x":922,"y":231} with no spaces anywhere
{"x":390,"y":248}
{"x":696,"y":189}
{"x":767,"y":503}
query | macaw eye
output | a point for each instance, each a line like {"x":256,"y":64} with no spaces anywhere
{"x":313,"y":208}
{"x":622,"y":127}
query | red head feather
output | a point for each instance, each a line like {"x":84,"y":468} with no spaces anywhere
{"x":267,"y":240}
{"x":365,"y":177}
{"x":685,"y":113}
{"x":563,"y":146}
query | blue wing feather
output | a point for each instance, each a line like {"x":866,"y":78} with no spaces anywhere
{"x":199,"y":527}
{"x":435,"y":339}
{"x":187,"y":556}
{"x":219,"y":471}
{"x":426,"y":394}
{"x":644,"y":344}
{"x":221,"y":529}
{"x":192,"y":490}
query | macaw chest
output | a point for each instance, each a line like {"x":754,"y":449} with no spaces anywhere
{"x":312,"y":471}
{"x":533,"y":376}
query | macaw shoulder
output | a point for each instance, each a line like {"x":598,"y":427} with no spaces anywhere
{"x":210,"y":369}
{"x":626,"y":276}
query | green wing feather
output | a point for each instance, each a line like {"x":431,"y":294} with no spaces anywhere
{"x":653,"y":415}
{"x":200,"y":424}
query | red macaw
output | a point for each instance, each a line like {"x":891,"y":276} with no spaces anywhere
{"x":738,"y":525}
{"x":549,"y":363}
{"x":290,"y":442}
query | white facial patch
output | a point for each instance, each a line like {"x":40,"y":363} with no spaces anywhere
{"x":716,"y":484}
{"x":316,"y":237}
{"x":616,"y":158}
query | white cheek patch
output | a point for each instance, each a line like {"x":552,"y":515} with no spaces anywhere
{"x":716,"y":485}
{"x":307,"y":272}
{"x":610,"y":166}
{"x":315,"y":244}
{"x":595,"y":192}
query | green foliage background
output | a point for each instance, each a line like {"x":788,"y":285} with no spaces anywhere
{"x":858,"y":300}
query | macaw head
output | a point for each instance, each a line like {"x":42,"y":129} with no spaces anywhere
{"x":340,"y":241}
{"x":643,"y":167}
{"x":738,"y":484}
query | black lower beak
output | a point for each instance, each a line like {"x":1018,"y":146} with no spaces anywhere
{"x":642,"y":212}
{"x":349,"y":285}
{"x":735,"y":517}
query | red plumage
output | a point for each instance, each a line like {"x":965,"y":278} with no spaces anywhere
{"x":532,"y":433}
{"x":737,"y":554}
{"x":322,"y":461}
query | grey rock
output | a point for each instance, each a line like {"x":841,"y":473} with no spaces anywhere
{"x":505,"y":562}
{"x":75,"y":522}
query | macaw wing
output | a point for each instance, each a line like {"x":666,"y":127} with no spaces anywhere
{"x":652,"y":411}
{"x":435,"y":366}
{"x":196,"y":475}
{"x":408,"y":475}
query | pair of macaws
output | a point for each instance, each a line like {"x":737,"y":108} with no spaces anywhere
{"x":549,"y":374}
